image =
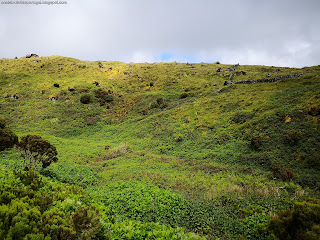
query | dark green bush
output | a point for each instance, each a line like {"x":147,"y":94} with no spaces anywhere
{"x":314,"y":110}
{"x":158,"y":103}
{"x":7,"y":138}
{"x":103,"y":96}
{"x":241,"y":117}
{"x":256,"y":142}
{"x":183,"y":95}
{"x":293,"y":136}
{"x":280,"y":172}
{"x":36,"y":150}
{"x":300,"y":222}
{"x":85,"y":99}
{"x":313,"y":160}
{"x":109,"y":98}
{"x":178,"y":138}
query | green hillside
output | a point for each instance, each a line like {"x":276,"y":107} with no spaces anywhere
{"x":169,"y":150}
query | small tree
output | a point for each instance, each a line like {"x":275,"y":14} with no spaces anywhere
{"x":36,"y":150}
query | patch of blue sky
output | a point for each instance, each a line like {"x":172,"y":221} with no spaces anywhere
{"x":171,"y":57}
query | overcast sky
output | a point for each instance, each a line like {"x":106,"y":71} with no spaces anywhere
{"x":259,"y":32}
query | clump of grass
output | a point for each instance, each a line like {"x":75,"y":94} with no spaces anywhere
{"x":118,"y":151}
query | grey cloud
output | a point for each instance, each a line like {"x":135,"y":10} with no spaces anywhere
{"x":270,"y":32}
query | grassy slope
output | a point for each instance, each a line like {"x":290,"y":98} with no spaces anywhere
{"x":202,"y":148}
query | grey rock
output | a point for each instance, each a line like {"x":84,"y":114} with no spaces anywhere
{"x":32,"y":55}
{"x":53,"y":99}
{"x":227,"y":83}
{"x":15,"y":96}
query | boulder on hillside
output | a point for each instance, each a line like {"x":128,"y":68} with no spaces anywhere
{"x":228,"y":82}
{"x":32,"y":55}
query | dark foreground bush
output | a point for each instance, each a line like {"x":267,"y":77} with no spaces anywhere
{"x":300,"y":222}
{"x":45,"y":210}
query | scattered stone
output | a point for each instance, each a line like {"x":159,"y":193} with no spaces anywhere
{"x":53,"y":99}
{"x":71,"y":89}
{"x":38,"y":61}
{"x":219,"y":90}
{"x":126,"y":73}
{"x":130,"y":65}
{"x":269,"y":75}
{"x":60,"y":68}
{"x":243,"y":73}
{"x":274,"y":79}
{"x":95,"y":83}
{"x":215,"y":84}
{"x":227,"y":82}
{"x":100,"y":65}
{"x":56,"y":85}
{"x":219,"y":69}
{"x":180,"y":103}
{"x":32,"y":55}
{"x":15,"y":96}
{"x":249,"y":81}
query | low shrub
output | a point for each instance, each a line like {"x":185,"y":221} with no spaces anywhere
{"x":85,"y":99}
{"x":256,"y":142}
{"x":103,"y":96}
{"x":314,"y":110}
{"x":241,"y":117}
{"x":280,"y":172}
{"x":137,"y":230}
{"x":118,"y":151}
{"x":140,"y":201}
{"x":293,"y":136}
{"x":7,"y":137}
{"x":178,"y":138}
{"x":158,"y":103}
{"x":183,"y":95}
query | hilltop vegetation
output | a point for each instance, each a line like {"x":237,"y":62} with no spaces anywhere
{"x":170,"y":146}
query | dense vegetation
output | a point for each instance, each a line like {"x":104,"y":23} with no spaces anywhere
{"x":162,"y":150}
